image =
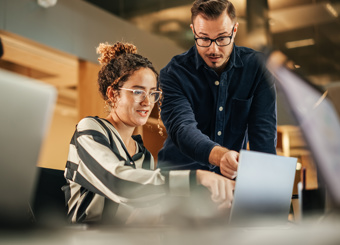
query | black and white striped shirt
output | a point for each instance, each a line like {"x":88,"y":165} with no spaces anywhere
{"x":99,"y":169}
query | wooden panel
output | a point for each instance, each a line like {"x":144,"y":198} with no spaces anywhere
{"x":311,"y":171}
{"x":68,"y":97}
{"x":289,"y":139}
{"x":55,"y":148}
{"x":290,"y":143}
{"x":60,"y":69}
{"x":34,"y":60}
{"x":90,"y":102}
{"x":153,"y":141}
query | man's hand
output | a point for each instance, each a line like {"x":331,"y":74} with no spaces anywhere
{"x":229,"y":164}
{"x":226,"y":159}
{"x":221,"y":188}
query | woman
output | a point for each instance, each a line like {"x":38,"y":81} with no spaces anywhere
{"x":107,"y":165}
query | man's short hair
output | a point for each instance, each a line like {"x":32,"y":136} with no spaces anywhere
{"x":212,"y":9}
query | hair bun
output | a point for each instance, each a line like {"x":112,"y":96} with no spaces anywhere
{"x":109,"y":52}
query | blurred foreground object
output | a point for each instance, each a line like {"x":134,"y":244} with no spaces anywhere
{"x":318,"y":120}
{"x":26,"y":107}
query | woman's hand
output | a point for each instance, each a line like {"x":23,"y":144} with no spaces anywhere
{"x":221,"y":188}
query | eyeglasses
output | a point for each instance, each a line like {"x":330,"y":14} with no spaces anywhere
{"x":220,"y":41}
{"x":140,"y":95}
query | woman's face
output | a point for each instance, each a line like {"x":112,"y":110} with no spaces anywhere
{"x":127,"y":110}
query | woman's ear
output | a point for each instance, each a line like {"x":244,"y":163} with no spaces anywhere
{"x":111,"y":93}
{"x":113,"y":97}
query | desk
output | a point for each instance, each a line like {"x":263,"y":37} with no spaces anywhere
{"x":307,"y":233}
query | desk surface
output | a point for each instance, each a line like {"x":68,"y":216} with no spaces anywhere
{"x":325,"y":232}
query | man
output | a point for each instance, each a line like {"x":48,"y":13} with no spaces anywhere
{"x":217,"y":97}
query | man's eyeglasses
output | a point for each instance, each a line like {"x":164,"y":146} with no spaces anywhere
{"x":140,"y":95}
{"x":220,"y":41}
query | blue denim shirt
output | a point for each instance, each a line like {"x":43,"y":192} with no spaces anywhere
{"x":201,"y":109}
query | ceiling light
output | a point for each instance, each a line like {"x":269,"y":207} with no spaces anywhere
{"x":332,"y":10}
{"x":300,"y":43}
{"x":46,"y":3}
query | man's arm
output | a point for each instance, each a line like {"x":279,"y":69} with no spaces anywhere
{"x":262,"y":119}
{"x":179,"y":119}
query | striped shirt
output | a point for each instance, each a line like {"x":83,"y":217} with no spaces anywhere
{"x":99,"y":170}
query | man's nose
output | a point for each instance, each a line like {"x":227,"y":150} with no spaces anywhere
{"x":213,"y":47}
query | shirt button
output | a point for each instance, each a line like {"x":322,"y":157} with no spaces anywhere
{"x":219,"y":133}
{"x":217,"y":83}
{"x":221,"y":108}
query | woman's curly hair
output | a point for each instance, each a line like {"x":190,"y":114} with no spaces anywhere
{"x":119,"y":61}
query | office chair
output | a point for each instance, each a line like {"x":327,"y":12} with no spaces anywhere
{"x":48,"y":205}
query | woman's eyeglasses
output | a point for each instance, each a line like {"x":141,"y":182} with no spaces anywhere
{"x":140,"y":95}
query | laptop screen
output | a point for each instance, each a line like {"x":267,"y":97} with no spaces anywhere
{"x":263,"y":189}
{"x":317,"y":118}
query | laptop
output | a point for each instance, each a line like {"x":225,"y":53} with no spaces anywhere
{"x":26,"y":107}
{"x":263,"y":189}
{"x":317,"y":118}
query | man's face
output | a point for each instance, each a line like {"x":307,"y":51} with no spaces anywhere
{"x":214,"y":56}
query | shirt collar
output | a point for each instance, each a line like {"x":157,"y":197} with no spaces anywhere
{"x":235,"y":59}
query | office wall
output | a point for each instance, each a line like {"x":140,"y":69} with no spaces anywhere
{"x":2,"y":14}
{"x":77,"y":27}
